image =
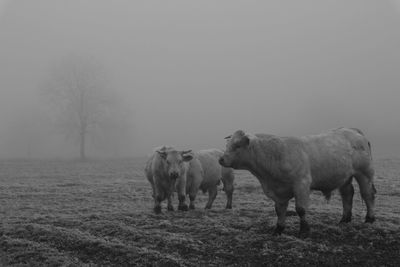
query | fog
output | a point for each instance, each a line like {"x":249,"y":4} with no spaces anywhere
{"x":192,"y":72}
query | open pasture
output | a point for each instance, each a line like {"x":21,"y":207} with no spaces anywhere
{"x":99,"y":213}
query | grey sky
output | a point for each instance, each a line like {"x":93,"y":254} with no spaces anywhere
{"x":194,"y":71}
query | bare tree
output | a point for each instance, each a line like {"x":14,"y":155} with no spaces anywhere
{"x":81,"y":99}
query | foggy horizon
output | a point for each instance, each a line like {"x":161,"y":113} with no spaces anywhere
{"x":191,"y":73}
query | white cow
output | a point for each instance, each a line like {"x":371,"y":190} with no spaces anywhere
{"x":290,"y":167}
{"x":205,"y":173}
{"x":166,"y":171}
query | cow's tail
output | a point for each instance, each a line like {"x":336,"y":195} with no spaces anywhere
{"x":370,"y":150}
{"x":368,"y":142}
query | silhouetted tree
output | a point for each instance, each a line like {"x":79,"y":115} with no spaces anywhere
{"x":80,"y":97}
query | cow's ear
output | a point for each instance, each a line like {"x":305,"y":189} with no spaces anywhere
{"x":187,"y":155}
{"x":162,"y":154}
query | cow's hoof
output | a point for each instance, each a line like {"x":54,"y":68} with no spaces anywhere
{"x":228,"y":207}
{"x":207,"y":207}
{"x":170,"y":208}
{"x":304,"y":234}
{"x":278,"y":230}
{"x":304,"y":229}
{"x":369,"y":219}
{"x":191,"y":206}
{"x":345,"y":220}
{"x":291,"y":213}
{"x":183,"y":207}
{"x":157,"y":209}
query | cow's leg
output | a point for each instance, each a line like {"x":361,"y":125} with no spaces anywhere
{"x":227,"y":180}
{"x":212,"y":193}
{"x":157,"y":205}
{"x":302,"y":195}
{"x":153,"y":191}
{"x":170,"y":194}
{"x":170,"y":206}
{"x":229,"y":194}
{"x":194,"y":188}
{"x":181,"y":190}
{"x":280,"y":209}
{"x":192,"y":198}
{"x":347,"y":193}
{"x":368,"y":191}
{"x":182,"y":205}
{"x":157,"y":202}
{"x":158,"y":198}
{"x":195,"y":179}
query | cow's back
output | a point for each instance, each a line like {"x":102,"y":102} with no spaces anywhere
{"x":208,"y":155}
{"x":336,"y":155}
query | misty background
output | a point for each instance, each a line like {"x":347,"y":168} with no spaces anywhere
{"x":189,"y":73}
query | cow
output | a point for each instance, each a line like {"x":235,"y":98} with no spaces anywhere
{"x":288,"y":167}
{"x":205,"y":174}
{"x":166,"y":171}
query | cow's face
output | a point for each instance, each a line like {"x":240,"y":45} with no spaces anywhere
{"x":174,"y":161}
{"x":237,"y":146}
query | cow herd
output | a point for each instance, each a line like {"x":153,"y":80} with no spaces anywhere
{"x":169,"y":170}
{"x":286,"y":167}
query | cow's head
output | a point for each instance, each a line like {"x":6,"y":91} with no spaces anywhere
{"x":236,"y":151}
{"x":174,"y":161}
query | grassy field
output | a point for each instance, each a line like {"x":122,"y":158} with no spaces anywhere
{"x":99,"y":213}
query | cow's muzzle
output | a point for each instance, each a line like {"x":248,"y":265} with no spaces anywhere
{"x":174,"y":175}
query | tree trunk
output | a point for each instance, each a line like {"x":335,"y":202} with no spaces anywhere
{"x":82,"y":145}
{"x":83,"y":123}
